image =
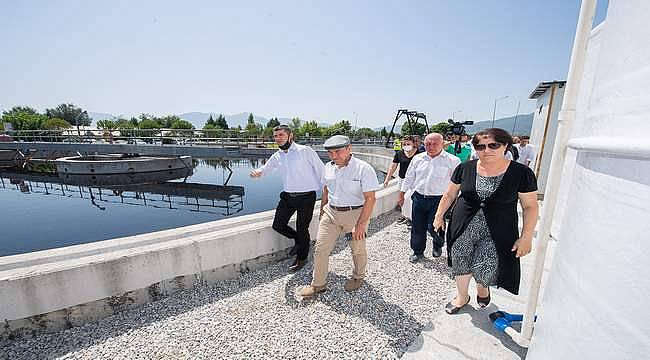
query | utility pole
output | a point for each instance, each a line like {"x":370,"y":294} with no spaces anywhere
{"x":514,"y":126}
{"x":453,"y":113}
{"x":494,"y":110}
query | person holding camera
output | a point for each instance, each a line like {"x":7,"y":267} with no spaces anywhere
{"x":427,"y":176}
{"x":482,"y":238}
{"x":460,"y":147}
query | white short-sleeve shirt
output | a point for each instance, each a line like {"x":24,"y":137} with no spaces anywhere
{"x":346,"y":185}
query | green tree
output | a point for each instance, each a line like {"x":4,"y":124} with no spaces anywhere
{"x":125,"y":123}
{"x":107,"y":124}
{"x":384,"y":132}
{"x":148,"y":127}
{"x":134,"y":121}
{"x":24,"y":118}
{"x":365,"y":133}
{"x":167,"y":121}
{"x":55,"y":127}
{"x":342,"y":127}
{"x":182,"y":124}
{"x":70,"y":113}
{"x":311,"y":128}
{"x":221,"y":122}
{"x":56,"y":124}
{"x":145,"y":116}
{"x":418,"y":129}
{"x":295,"y":124}
{"x":212,"y":130}
{"x":441,"y":128}
{"x":211,"y":121}
{"x":273,"y":122}
{"x":148,"y":124}
{"x":253,"y":128}
{"x":127,"y":127}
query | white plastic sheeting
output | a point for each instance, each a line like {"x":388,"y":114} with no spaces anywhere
{"x":594,"y":306}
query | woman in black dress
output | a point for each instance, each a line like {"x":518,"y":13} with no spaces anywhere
{"x":483,"y":240}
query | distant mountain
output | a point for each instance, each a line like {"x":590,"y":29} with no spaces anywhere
{"x":524,"y":125}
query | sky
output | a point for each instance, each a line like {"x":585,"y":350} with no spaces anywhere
{"x":317,"y":60}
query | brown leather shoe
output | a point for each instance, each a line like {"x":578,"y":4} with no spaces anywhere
{"x":353,"y":284}
{"x":310,"y":291}
{"x":297,"y":265}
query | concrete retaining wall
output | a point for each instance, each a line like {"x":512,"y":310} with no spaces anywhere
{"x":55,"y":289}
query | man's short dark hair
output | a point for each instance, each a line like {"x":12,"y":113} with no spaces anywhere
{"x":408,"y":138}
{"x":524,"y":137}
{"x":284,"y":128}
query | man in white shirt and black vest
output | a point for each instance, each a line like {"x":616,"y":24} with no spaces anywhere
{"x":346,"y":206}
{"x":302,"y":172}
{"x":428,"y":176}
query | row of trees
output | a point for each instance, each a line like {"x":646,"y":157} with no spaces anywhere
{"x":146,"y":122}
{"x":65,"y":116}
{"x":61,"y":117}
{"x":313,"y":129}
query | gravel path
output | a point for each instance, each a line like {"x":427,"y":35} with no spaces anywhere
{"x":257,"y":316}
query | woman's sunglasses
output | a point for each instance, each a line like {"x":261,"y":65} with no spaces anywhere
{"x":493,"y":146}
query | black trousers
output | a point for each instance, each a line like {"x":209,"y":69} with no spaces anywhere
{"x":288,"y":205}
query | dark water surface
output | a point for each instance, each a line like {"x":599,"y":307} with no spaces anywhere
{"x":40,"y":212}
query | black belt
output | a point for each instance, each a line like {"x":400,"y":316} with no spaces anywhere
{"x":296,"y":194}
{"x":345,"y":208}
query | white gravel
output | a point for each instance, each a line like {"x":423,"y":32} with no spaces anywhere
{"x":257,"y":316}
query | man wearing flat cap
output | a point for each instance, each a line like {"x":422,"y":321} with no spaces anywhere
{"x":346,"y":205}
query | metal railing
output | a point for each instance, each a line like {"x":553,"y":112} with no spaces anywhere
{"x":224,"y":138}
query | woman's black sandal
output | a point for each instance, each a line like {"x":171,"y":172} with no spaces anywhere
{"x":452,"y":309}
{"x":483,"y":301}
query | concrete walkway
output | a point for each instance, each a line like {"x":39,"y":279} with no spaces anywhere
{"x":470,"y":334}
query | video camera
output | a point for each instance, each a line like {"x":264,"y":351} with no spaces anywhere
{"x":458,"y":128}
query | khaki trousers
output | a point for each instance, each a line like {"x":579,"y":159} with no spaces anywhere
{"x":332,"y":224}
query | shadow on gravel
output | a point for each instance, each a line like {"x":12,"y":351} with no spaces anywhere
{"x":77,"y":338}
{"x":366,"y":303}
{"x":436,"y":264}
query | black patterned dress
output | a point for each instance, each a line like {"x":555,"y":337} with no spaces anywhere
{"x":474,"y":251}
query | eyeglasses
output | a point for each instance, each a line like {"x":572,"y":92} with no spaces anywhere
{"x":493,"y":146}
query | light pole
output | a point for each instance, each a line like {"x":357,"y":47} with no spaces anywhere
{"x":356,"y":119}
{"x":514,"y":126}
{"x":453,"y":113}
{"x":494,"y":110}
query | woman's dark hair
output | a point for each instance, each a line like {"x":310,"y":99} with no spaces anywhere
{"x":408,"y":138}
{"x":499,"y":135}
